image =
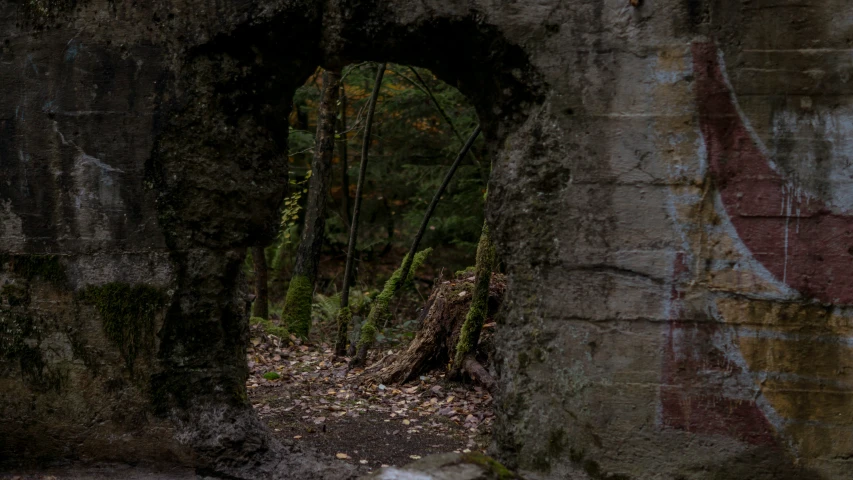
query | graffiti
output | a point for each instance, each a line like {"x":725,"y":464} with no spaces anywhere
{"x":766,"y":368}
{"x":795,"y":236}
{"x":693,"y":394}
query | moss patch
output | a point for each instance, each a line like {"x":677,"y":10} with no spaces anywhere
{"x":20,"y":336}
{"x":128,"y":315}
{"x":297,"y":306}
{"x":498,"y":471}
{"x":272,"y":376}
{"x":469,"y":335}
{"x":269,"y":327}
{"x":43,"y":10}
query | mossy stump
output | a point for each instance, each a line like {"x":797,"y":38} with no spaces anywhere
{"x":440,"y":324}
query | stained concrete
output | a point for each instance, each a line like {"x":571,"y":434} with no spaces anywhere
{"x":671,"y":197}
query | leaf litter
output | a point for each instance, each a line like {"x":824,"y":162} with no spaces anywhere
{"x":314,"y":400}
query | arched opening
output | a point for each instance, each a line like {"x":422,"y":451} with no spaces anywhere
{"x":299,"y":387}
{"x":218,"y":169}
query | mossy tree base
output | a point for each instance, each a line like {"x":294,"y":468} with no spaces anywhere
{"x":297,"y":306}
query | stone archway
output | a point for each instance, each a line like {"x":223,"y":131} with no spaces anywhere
{"x":172,"y":345}
{"x":218,"y":171}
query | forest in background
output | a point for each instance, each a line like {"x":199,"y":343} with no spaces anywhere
{"x":419,"y":126}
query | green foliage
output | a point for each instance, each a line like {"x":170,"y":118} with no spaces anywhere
{"x":128,"y":315}
{"x":297,"y":306}
{"x":412,"y":149}
{"x":269,"y":327}
{"x":292,"y":208}
{"x":272,"y":376}
{"x":325,"y":308}
{"x":299,"y":141}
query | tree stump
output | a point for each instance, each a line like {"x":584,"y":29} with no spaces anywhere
{"x":440,"y":322}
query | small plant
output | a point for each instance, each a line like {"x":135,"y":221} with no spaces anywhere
{"x":272,"y":376}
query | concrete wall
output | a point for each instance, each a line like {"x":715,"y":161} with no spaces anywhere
{"x":670,"y":196}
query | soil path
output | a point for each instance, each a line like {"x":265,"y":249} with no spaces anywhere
{"x":315,"y":401}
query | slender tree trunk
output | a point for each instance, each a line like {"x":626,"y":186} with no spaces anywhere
{"x":297,"y":305}
{"x":344,"y":315}
{"x":343,"y":153}
{"x":379,"y":309}
{"x":469,"y":336}
{"x":261,"y":306}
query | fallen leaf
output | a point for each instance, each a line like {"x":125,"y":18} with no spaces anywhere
{"x":342,"y":456}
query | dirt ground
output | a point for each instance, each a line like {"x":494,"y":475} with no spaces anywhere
{"x":316,"y":401}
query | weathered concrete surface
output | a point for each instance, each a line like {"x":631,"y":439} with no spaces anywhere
{"x":447,"y":466}
{"x":672,"y":198}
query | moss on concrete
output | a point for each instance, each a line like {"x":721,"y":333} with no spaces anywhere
{"x":128,"y":315}
{"x":43,"y":10}
{"x":20,"y":339}
{"x":492,"y":466}
{"x":36,"y":267}
{"x":297,"y":305}
{"x":15,"y":295}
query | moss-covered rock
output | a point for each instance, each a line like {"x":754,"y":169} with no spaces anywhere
{"x":128,"y":315}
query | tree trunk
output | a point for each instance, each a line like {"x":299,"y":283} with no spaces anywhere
{"x":297,"y":305}
{"x":344,"y":315}
{"x":379,"y":309}
{"x":470,"y":334}
{"x":343,"y":154}
{"x":261,"y":306}
{"x":441,"y":321}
